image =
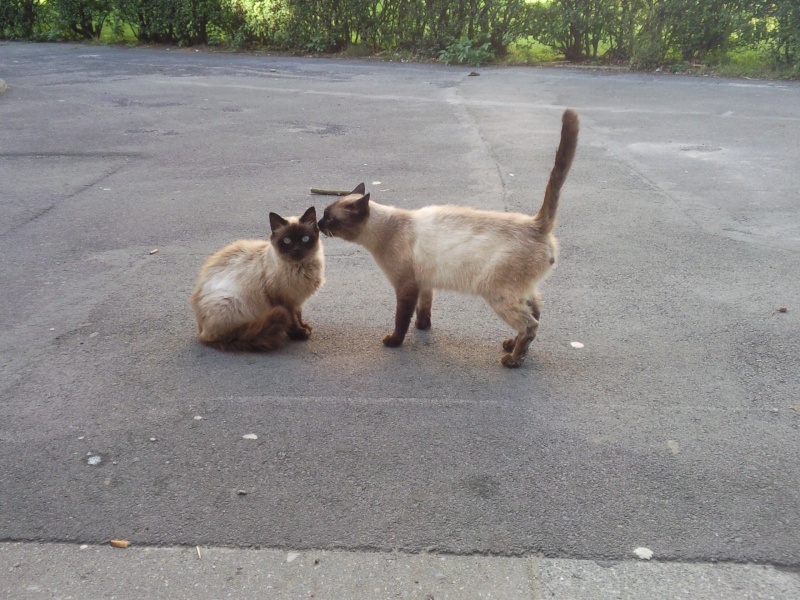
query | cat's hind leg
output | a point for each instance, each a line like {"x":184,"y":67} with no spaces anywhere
{"x":535,"y":304}
{"x":424,"y":304}
{"x":517,"y":313}
{"x":265,"y":334}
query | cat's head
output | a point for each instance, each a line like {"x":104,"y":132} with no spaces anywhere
{"x":346,"y":217}
{"x":295,"y":239}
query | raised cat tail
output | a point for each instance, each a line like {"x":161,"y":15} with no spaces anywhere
{"x":263,"y":336}
{"x":570,"y":124}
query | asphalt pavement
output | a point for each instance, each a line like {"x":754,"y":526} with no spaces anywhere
{"x":673,"y":428}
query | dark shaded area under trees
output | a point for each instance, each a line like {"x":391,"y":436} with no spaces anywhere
{"x":642,"y":33}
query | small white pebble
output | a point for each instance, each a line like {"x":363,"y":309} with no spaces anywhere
{"x":84,"y":546}
{"x":291,"y":556}
{"x":250,"y":436}
{"x":643,"y":553}
{"x":198,"y":418}
{"x":576,"y":344}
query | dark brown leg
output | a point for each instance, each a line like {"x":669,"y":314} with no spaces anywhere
{"x":424,"y":305}
{"x":520,"y":350}
{"x":519,"y":315}
{"x":535,"y":305}
{"x":406,"y":302}
{"x":298,"y":330}
{"x":264,"y":335}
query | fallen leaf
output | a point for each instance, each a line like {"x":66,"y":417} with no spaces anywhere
{"x":120,"y":543}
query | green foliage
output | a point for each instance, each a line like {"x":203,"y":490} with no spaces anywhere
{"x":782,"y":34}
{"x":644,"y":33}
{"x":575,"y":28}
{"x":697,"y":27}
{"x":463,"y":52}
{"x":529,"y":50}
{"x":247,"y":22}
{"x":182,"y":22}
{"x":79,"y":19}
{"x":21,"y":19}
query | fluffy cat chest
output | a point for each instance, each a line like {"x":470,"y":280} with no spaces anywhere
{"x":295,"y":282}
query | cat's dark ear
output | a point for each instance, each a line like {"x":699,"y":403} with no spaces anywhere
{"x":361,"y":206}
{"x":360,"y":189}
{"x":276,"y":221}
{"x":310,"y":216}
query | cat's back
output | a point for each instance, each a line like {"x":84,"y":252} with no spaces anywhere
{"x":456,"y":228}
{"x":457,"y":247}
{"x":237,"y":254}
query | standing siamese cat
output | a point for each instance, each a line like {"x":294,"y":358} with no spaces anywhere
{"x":249,"y":295}
{"x":500,"y":256}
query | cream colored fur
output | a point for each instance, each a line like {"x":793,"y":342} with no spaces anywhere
{"x":242,"y":283}
{"x":500,"y":256}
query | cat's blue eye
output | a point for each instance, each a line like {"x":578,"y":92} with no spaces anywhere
{"x":287,"y":240}
{"x":306,"y":238}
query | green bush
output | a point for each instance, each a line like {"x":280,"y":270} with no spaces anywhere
{"x":79,"y":19}
{"x":576,"y":28}
{"x":182,"y":22}
{"x":697,"y":27}
{"x":463,"y":52}
{"x":647,"y":33}
{"x":783,"y":32}
{"x":246,"y":22}
{"x":21,"y":19}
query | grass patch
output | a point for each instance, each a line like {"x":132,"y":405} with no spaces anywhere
{"x":117,"y":33}
{"x":753,"y":63}
{"x":529,"y":51}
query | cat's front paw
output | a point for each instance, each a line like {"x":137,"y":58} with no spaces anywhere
{"x":512,"y":363}
{"x":299,"y":333}
{"x":391,"y":340}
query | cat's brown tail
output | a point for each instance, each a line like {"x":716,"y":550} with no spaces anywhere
{"x":570,"y":124}
{"x":262,"y":336}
